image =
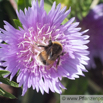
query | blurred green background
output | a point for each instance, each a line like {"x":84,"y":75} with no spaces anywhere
{"x":92,"y":83}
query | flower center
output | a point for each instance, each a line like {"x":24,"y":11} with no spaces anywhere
{"x":28,"y":47}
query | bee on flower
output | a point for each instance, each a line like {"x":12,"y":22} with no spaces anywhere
{"x":44,"y":50}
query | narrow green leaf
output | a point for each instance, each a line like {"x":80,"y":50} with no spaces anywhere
{"x":6,"y":94}
{"x":8,"y":82}
{"x":17,"y":23}
{"x":1,"y":92}
{"x":3,"y":72}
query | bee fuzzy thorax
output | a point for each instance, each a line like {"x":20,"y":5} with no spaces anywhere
{"x":58,"y":43}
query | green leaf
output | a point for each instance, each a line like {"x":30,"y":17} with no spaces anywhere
{"x":23,"y":4}
{"x":8,"y":82}
{"x":6,"y":94}
{"x":4,"y":72}
{"x":17,"y":23}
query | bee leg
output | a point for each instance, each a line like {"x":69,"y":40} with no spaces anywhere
{"x":58,"y":62}
{"x":59,"y":58}
{"x":62,"y":53}
{"x":40,"y":45}
{"x":50,"y":42}
{"x":46,"y":47}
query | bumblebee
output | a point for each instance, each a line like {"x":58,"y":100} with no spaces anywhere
{"x":51,"y":53}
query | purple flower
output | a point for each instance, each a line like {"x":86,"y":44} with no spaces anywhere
{"x":23,"y":48}
{"x":94,"y":22}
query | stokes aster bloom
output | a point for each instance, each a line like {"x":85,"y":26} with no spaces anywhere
{"x":22,"y":50}
{"x":94,"y":22}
